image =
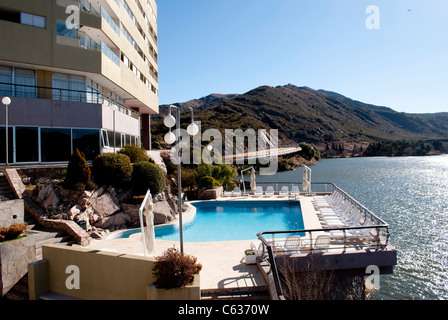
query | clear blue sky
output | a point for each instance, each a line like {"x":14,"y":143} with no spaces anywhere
{"x":233,"y":46}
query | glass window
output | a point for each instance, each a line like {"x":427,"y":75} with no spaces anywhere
{"x":63,"y":31}
{"x":6,"y":81}
{"x":87,"y":141}
{"x":32,"y":20}
{"x":55,"y":144}
{"x":25,"y":81}
{"x":69,"y":87}
{"x":27,"y":144}
{"x":3,"y":145}
{"x":104,"y":139}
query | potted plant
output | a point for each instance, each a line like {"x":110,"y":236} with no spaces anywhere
{"x":250,"y":256}
{"x":177,"y":277}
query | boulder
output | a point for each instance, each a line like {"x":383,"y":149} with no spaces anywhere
{"x":48,"y":197}
{"x":132,"y":211}
{"x":114,"y":221}
{"x":74,"y":211}
{"x":105,"y":205}
{"x":163,"y":213}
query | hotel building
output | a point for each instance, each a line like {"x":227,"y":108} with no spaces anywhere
{"x":91,"y":86}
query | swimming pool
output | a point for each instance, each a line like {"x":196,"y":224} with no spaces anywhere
{"x":234,"y":220}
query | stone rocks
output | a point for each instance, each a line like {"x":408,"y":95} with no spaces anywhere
{"x":48,"y":197}
{"x":116,"y":220}
{"x":74,"y":211}
{"x":105,"y":205}
{"x":163,"y":213}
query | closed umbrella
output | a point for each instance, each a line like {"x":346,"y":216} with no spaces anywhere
{"x":149,"y":238}
{"x":253,"y":183}
{"x":305,"y":183}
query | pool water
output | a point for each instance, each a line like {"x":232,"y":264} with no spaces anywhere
{"x":236,"y":220}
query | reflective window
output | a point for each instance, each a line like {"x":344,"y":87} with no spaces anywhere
{"x":87,"y":141}
{"x":55,"y":144}
{"x":3,"y":145}
{"x":27,"y":144}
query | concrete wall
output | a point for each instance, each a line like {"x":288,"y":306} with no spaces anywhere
{"x":11,"y":212}
{"x":103,"y":275}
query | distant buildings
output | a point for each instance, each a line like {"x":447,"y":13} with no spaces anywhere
{"x":65,"y":82}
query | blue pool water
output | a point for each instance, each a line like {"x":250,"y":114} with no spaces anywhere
{"x":236,"y":220}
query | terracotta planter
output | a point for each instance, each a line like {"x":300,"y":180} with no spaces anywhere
{"x":192,"y":292}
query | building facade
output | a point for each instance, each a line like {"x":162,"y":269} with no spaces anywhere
{"x":80,"y":74}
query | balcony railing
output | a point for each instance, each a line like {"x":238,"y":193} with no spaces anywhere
{"x":372,"y":233}
{"x":37,"y":92}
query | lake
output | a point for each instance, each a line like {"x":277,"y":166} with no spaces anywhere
{"x":409,"y":193}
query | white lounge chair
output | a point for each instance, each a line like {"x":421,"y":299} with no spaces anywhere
{"x":295,"y":191}
{"x":292,"y":244}
{"x":236,"y":192}
{"x":284,"y":191}
{"x":269,"y":191}
{"x":321,"y":244}
{"x":258,"y":191}
{"x":227,"y":193}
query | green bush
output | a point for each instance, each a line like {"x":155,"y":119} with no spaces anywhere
{"x":225,"y":174}
{"x":78,"y":171}
{"x":175,"y":270}
{"x":112,"y":169}
{"x":135,"y":153}
{"x":147,"y":175}
{"x":208,"y":183}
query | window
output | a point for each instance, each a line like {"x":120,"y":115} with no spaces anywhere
{"x":69,"y":87}
{"x":63,"y":31}
{"x":6,"y":88}
{"x":27,"y":144}
{"x":104,"y":139}
{"x":32,"y":20}
{"x":55,"y":144}
{"x":25,"y":81}
{"x":3,"y":145}
{"x":87,"y":141}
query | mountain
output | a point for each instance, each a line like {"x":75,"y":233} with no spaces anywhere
{"x":304,"y":114}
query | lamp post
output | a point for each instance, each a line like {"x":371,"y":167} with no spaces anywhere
{"x":6,"y":101}
{"x":210,"y":148}
{"x":170,"y":138}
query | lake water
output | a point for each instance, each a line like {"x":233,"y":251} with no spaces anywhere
{"x":409,"y":193}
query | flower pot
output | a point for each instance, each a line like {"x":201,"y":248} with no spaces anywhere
{"x":192,"y":292}
{"x":250,"y":257}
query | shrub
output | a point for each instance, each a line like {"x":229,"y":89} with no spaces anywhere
{"x":223,"y":173}
{"x":12,"y":232}
{"x":175,"y":270}
{"x":208,"y":183}
{"x":135,"y":153}
{"x":78,"y":171}
{"x":112,"y":169}
{"x":146,"y":176}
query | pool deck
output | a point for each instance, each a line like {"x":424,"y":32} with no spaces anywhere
{"x":222,"y":262}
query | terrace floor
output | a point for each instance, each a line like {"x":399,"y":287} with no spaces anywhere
{"x":222,"y":262}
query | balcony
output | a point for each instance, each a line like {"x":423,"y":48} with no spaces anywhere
{"x":51,"y":93}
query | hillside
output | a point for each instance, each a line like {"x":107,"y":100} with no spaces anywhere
{"x":303,"y":114}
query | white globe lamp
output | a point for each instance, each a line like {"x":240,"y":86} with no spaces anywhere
{"x":170,"y":138}
{"x":169,"y":121}
{"x":193,"y":129}
{"x":6,"y":101}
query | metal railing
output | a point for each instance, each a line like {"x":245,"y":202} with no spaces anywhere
{"x":372,"y":230}
{"x":38,"y":92}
